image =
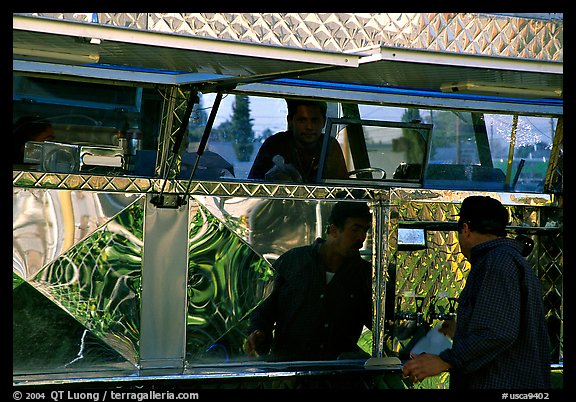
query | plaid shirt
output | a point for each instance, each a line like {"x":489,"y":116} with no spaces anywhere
{"x":501,"y":339}
{"x":312,"y":320}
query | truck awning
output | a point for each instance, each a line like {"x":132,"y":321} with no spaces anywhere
{"x":59,"y":47}
{"x":128,"y":56}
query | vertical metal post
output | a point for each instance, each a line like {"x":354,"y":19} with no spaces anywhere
{"x":553,"y":167}
{"x":174,"y":109}
{"x":511,"y":150}
{"x":379,"y":259}
{"x":164,"y":284}
{"x":165,"y":135}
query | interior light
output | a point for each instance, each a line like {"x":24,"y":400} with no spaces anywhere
{"x":490,"y":89}
{"x":44,"y":55}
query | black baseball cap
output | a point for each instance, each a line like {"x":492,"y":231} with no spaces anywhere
{"x":485,"y":214}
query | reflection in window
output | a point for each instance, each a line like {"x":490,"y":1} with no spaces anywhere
{"x":382,"y":150}
{"x":467,"y":150}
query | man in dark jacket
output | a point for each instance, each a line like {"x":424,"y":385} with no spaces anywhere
{"x":322,"y":295}
{"x":501,"y":339}
{"x":294,"y":155}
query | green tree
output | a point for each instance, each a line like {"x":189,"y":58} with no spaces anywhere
{"x":242,"y":133}
{"x":411,"y":116}
{"x":238,"y":130}
{"x":453,"y":137}
{"x":265,"y":134}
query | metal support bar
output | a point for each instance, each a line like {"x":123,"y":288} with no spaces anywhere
{"x":511,"y":150}
{"x":205,"y":135}
{"x":164,"y":285}
{"x":555,"y":168}
{"x":380,"y":211}
{"x":165,"y":136}
{"x":175,"y":201}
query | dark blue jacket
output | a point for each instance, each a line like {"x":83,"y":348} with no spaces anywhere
{"x":313,"y":320}
{"x":501,"y":339}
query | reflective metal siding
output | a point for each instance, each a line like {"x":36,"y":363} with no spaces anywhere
{"x":533,"y":36}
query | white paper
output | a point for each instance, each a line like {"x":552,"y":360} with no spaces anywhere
{"x":434,"y":342}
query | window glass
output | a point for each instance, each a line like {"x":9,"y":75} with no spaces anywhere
{"x":241,"y":125}
{"x":472,"y":150}
{"x":466,"y":150}
{"x":532,"y":145}
{"x":381,"y":150}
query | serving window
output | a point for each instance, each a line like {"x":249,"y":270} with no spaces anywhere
{"x":382,"y":151}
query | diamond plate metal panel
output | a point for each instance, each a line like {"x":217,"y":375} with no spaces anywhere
{"x":439,"y":272}
{"x":529,"y":36}
{"x":27,"y":179}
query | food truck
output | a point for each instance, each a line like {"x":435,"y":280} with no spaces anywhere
{"x":140,"y":245}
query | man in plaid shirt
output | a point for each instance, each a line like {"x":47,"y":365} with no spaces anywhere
{"x":501,"y":339}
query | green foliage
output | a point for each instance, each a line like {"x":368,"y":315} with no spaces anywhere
{"x":226,"y":280}
{"x":441,"y":381}
{"x":365,"y":341}
{"x":16,"y":280}
{"x":558,"y":379}
{"x":238,"y":130}
{"x":449,"y":126}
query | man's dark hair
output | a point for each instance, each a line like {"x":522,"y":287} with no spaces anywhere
{"x":343,"y":210}
{"x":294,"y":103}
{"x":26,"y":129}
{"x":484,"y":214}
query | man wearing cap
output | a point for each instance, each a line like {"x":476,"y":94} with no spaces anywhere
{"x":321,"y":297}
{"x":501,"y":339}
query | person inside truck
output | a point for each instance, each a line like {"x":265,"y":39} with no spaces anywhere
{"x":294,"y":155}
{"x":321,"y":297}
{"x":501,"y":338}
{"x":29,"y":128}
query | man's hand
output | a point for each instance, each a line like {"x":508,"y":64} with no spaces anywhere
{"x":283,"y":171}
{"x":255,"y":343}
{"x":448,"y":328}
{"x":424,"y":365}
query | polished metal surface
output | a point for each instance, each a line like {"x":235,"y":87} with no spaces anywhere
{"x":471,"y":61}
{"x":80,"y":253}
{"x":107,"y":287}
{"x":253,"y":375}
{"x":100,"y":281}
{"x":164,"y":286}
{"x":47,"y":223}
{"x":439,"y":272}
{"x":270,"y":226}
{"x":226,"y":280}
{"x":151,"y":57}
{"x":527,"y":35}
